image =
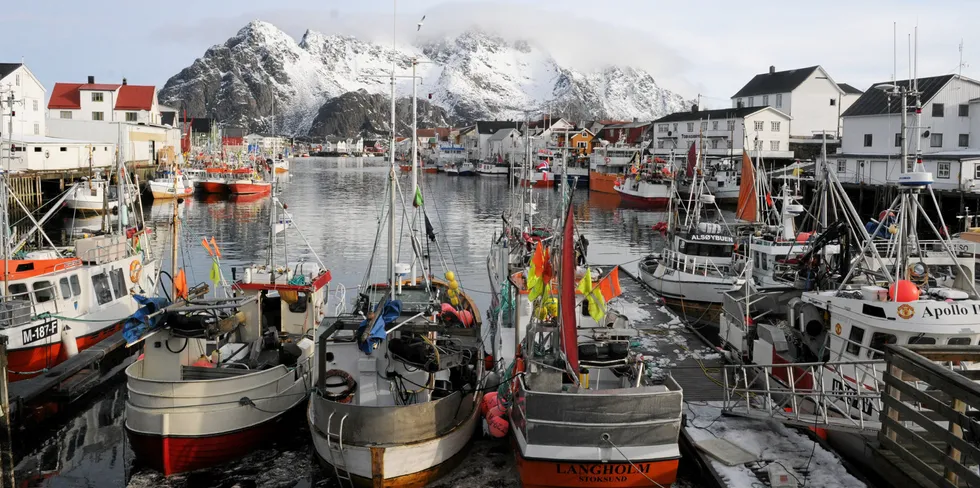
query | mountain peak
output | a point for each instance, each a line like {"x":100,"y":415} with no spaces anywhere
{"x":473,"y":75}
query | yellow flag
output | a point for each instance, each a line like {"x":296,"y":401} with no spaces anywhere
{"x":597,"y":303}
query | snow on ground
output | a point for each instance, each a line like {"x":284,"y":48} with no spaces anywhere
{"x":772,"y":442}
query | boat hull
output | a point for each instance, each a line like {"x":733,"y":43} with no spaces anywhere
{"x":430,"y":169}
{"x":629,"y":198}
{"x":694,"y":298}
{"x":36,"y":359}
{"x":169,"y":194}
{"x":602,"y":182}
{"x":249,"y":188}
{"x":536,"y":473}
{"x":214,"y":186}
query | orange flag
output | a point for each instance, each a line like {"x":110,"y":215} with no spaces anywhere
{"x":609,"y":285}
{"x":180,"y":285}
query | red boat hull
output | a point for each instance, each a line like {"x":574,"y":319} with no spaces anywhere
{"x":543,"y":183}
{"x":249,"y":188}
{"x":536,"y":473}
{"x":641,"y":201}
{"x":48,"y":355}
{"x":214,"y":186}
{"x":431,"y":170}
{"x":170,"y":455}
{"x":405,"y":167}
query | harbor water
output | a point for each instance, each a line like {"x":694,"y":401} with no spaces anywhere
{"x":336,"y":204}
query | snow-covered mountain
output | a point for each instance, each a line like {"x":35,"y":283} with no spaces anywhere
{"x":473,"y":76}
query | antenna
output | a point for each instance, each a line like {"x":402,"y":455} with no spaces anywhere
{"x":894,"y":52}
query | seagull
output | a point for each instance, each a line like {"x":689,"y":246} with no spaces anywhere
{"x":420,"y":24}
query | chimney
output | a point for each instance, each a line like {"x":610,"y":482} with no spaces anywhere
{"x":772,"y":69}
{"x":694,"y":108}
{"x":91,"y":80}
{"x":124,"y":82}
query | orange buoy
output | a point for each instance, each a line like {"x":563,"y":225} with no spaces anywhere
{"x":905,"y":290}
{"x":803,"y":237}
{"x":498,"y":427}
{"x":203,"y":362}
{"x":498,"y":410}
{"x":489,"y":401}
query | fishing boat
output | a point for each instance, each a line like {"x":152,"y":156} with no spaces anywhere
{"x":646,"y":185}
{"x":581,"y":412}
{"x":577,"y":171}
{"x":194,"y":176}
{"x":281,"y":166}
{"x":608,"y":164}
{"x":96,"y":196}
{"x":170,"y":185}
{"x":695,"y":269}
{"x":400,"y":377}
{"x":222,"y":372}
{"x":216,"y":180}
{"x":452,"y":168}
{"x":541,"y":176}
{"x":246,"y":181}
{"x":493,"y":167}
{"x":466,"y":168}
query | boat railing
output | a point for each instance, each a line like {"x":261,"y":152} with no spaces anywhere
{"x":927,"y":247}
{"x":66,"y":265}
{"x":695,"y":265}
{"x":836,"y":395}
{"x":104,"y":253}
{"x":15,"y":310}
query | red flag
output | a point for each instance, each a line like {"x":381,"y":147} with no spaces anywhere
{"x":692,"y":160}
{"x":609,"y":285}
{"x":567,"y":308}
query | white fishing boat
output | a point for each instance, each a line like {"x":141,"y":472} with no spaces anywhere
{"x":169,"y":186}
{"x":218,"y":375}
{"x":493,"y":167}
{"x":647,"y":185}
{"x":95,"y":196}
{"x":401,"y":376}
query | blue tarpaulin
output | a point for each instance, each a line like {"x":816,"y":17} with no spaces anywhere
{"x":138,"y":325}
{"x":368,"y":340}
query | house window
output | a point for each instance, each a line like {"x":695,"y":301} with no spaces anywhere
{"x":35,"y":105}
{"x":779,"y":100}
{"x":729,"y":141}
{"x":96,"y":96}
{"x":855,"y":338}
{"x":765,"y":99}
{"x":43,"y":291}
{"x":690,"y":126}
{"x":964,"y":140}
{"x":867,"y":140}
{"x":130,"y":116}
{"x":964,"y":110}
{"x":758,"y":145}
{"x":937,"y":110}
{"x":943,"y":170}
{"x":704,"y":126}
{"x":63,"y":149}
{"x":675,"y":126}
{"x":714,"y":125}
{"x":833,"y":102}
{"x":759,"y":126}
{"x":37,"y":129}
{"x":738,"y":103}
{"x":98,"y":116}
{"x":936,"y":140}
{"x":774,"y":126}
{"x":773,"y":145}
{"x":66,"y":114}
{"x":17,"y":79}
{"x":663,"y":128}
{"x":714,"y":144}
{"x":660,"y":144}
{"x":751,"y":101}
{"x":898,"y":139}
{"x":841,"y":165}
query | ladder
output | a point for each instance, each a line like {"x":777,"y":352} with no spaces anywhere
{"x":336,"y":452}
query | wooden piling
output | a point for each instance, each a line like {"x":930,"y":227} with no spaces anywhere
{"x":6,"y":439}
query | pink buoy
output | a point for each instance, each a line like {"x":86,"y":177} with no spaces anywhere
{"x":498,"y":427}
{"x":489,"y":401}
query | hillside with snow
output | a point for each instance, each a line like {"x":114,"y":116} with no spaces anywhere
{"x":262,"y":76}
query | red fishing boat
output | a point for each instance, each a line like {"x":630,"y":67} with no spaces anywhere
{"x":216,"y":180}
{"x":244,"y":181}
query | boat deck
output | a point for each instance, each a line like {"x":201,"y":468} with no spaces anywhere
{"x":679,"y":350}
{"x":69,"y":380}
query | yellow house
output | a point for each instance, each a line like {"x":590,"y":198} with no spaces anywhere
{"x":582,"y":142}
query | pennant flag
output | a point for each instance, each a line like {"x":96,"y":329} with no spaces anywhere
{"x":180,"y":285}
{"x":215,"y":273}
{"x":418,"y":198}
{"x":535,"y":283}
{"x":609,"y":285}
{"x":217,"y":252}
{"x":430,"y":231}
{"x":597,"y":304}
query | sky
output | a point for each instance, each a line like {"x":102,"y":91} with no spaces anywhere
{"x":708,"y":48}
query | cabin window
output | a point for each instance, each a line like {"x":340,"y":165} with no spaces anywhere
{"x":731,"y":125}
{"x":65,"y":288}
{"x":43,"y":291}
{"x":765,"y":262}
{"x":923,"y":340}
{"x":855,"y":338}
{"x":721,"y":184}
{"x":751,"y":101}
{"x":976,"y":172}
{"x":17,"y":289}
{"x":118,"y":282}
{"x":100,"y":283}
{"x":76,"y":287}
{"x":878,"y":342}
{"x":873,"y":311}
{"x":756,"y":260}
{"x":675,"y":126}
{"x":943,"y":170}
{"x":958,"y":341}
{"x":35,"y":105}
{"x":682,"y":247}
{"x":660,"y":144}
{"x":938,"y":110}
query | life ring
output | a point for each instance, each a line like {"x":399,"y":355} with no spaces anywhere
{"x":135,"y":268}
{"x":350,"y":385}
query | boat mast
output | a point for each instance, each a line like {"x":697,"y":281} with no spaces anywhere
{"x":5,"y":219}
{"x":272,"y":209}
{"x":391,"y":171}
{"x":415,"y":152}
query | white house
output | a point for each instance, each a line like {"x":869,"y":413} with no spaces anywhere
{"x":265,"y":143}
{"x":949,"y":135}
{"x":507,"y":144}
{"x":484,"y":131}
{"x":763,"y":131}
{"x":812,"y":99}
{"x":355,"y":145}
{"x":28,"y":94}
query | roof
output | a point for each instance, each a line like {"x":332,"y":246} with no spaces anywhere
{"x":7,"y":68}
{"x":778,"y":82}
{"x":135,"y":97}
{"x":725,"y":113}
{"x":627,"y":125}
{"x":878,"y":102}
{"x":492,"y":126}
{"x":502,"y":134}
{"x":99,"y":87}
{"x":849,"y":89}
{"x":65,"y":96}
